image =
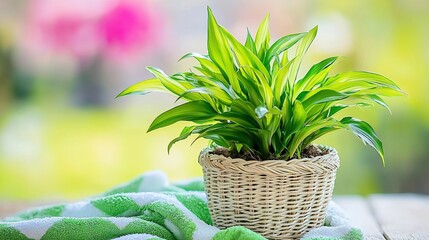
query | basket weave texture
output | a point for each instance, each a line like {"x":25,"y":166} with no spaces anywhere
{"x":277,"y":199}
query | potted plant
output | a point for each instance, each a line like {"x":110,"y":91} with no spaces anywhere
{"x":262,"y":170}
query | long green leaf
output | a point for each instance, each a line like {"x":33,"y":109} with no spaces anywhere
{"x":252,"y":73}
{"x":214,"y":82}
{"x":244,"y":56}
{"x":186,"y":132}
{"x":230,"y":133}
{"x":286,"y":112}
{"x":213,"y":75}
{"x":281,"y":45}
{"x":238,"y":118}
{"x":245,"y":108}
{"x":213,"y":92}
{"x":170,"y":84}
{"x":196,"y":56}
{"x":190,"y":111}
{"x":322,"y":96}
{"x":315,"y":75}
{"x":298,"y":117}
{"x":335,"y":109}
{"x":375,"y":98}
{"x":144,"y":87}
{"x":358,"y":79}
{"x":319,"y":133}
{"x":262,"y":39}
{"x":302,"y":49}
{"x":279,"y":82}
{"x":208,"y":67}
{"x":220,"y":52}
{"x":251,"y":89}
{"x":307,"y":131}
{"x":365,"y":132}
{"x":250,"y":43}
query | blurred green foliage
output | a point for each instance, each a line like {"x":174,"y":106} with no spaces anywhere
{"x":71,"y":153}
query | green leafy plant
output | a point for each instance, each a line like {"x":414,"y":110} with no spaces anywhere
{"x":249,"y":98}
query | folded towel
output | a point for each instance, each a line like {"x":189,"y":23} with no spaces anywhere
{"x":148,"y":207}
{"x":337,"y":226}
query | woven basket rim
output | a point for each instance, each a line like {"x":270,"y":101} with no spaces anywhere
{"x":316,"y":165}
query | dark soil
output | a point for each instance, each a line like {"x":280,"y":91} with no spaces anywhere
{"x":246,"y":155}
{"x":308,"y":152}
{"x":313,"y":151}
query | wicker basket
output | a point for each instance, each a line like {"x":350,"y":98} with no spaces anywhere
{"x":277,"y":199}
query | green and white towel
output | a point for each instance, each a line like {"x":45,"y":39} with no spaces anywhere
{"x":149,"y":207}
{"x":337,"y":226}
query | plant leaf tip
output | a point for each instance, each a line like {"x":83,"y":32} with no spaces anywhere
{"x":151,"y":128}
{"x":209,"y":11}
{"x":268,"y":16}
{"x":123,"y":93}
{"x":120,"y":95}
{"x":315,"y":29}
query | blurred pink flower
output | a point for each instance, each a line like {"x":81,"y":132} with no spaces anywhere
{"x":126,"y":27}
{"x":70,"y":34}
{"x":84,"y":29}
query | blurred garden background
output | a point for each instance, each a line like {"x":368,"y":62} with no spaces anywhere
{"x":63,"y":134}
